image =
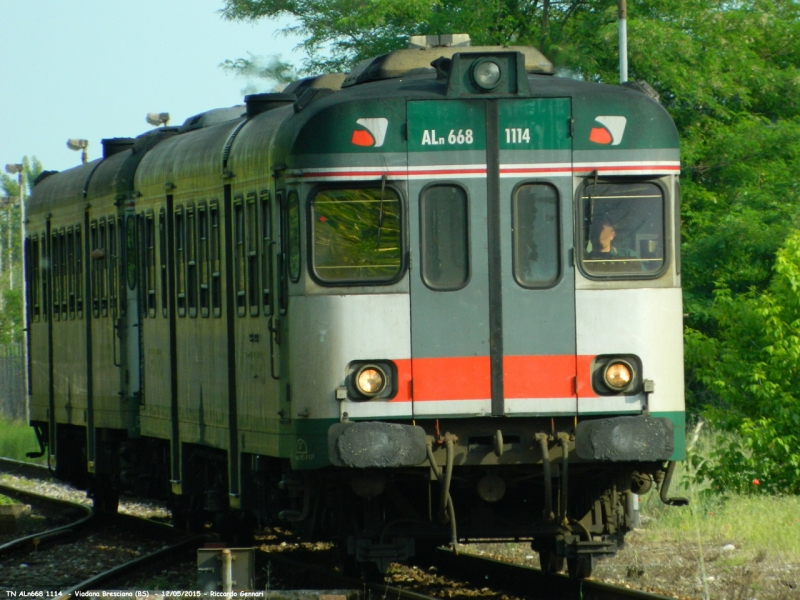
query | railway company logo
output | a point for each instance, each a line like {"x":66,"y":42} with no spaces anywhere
{"x":301,"y":450}
{"x":610,"y":132}
{"x":371,"y":134}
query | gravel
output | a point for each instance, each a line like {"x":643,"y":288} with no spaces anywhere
{"x":58,"y":567}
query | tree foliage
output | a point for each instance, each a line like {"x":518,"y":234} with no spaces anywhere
{"x":750,"y":373}
{"x":258,"y":69}
{"x":11,"y":250}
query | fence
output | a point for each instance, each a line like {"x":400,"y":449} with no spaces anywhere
{"x":12,"y":383}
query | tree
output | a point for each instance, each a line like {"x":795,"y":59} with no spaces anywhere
{"x":11,"y":250}
{"x":339,"y":33}
{"x":751,"y":371}
{"x":259,"y":69}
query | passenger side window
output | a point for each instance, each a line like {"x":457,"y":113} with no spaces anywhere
{"x":216,"y":260}
{"x":78,"y":272}
{"x":103,"y":267}
{"x":239,"y":258}
{"x":180,"y":261}
{"x":536,"y":235}
{"x":191,"y":261}
{"x":251,"y":218}
{"x":70,"y":255}
{"x":55,"y":270}
{"x":33,"y":265}
{"x":293,"y":218}
{"x":205,"y":266}
{"x":266,"y":252}
{"x":162,"y":252}
{"x":113,"y":266}
{"x":150,"y":263}
{"x":64,"y":273}
{"x":444,"y":231}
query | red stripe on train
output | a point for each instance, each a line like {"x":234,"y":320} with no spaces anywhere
{"x":469,"y":378}
{"x":461,"y":378}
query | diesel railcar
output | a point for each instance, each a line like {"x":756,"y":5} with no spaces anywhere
{"x":436,"y":300}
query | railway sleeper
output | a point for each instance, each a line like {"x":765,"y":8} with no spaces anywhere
{"x":381,"y":554}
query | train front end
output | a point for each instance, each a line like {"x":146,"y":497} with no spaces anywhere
{"x":492,"y":305}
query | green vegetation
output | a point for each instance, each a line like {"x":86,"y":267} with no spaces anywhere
{"x":16,"y":439}
{"x":5,"y":500}
{"x":736,"y":519}
{"x":11,"y":250}
{"x":719,"y":516}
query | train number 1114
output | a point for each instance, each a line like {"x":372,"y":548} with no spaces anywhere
{"x":516,"y":135}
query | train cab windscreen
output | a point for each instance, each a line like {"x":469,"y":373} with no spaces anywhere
{"x":356,"y":235}
{"x":623,"y":229}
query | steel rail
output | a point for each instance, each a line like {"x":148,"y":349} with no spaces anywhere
{"x":48,"y":535}
{"x":481,"y":572}
{"x":527,"y":581}
{"x":19,"y":467}
{"x":130,"y":566}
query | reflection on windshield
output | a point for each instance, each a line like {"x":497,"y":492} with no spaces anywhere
{"x":356,"y":235}
{"x":623,"y":229}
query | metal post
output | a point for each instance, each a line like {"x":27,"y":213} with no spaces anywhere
{"x":10,"y":241}
{"x":12,"y":168}
{"x":227,"y":573}
{"x":7,"y":199}
{"x":25,"y":321}
{"x":623,"y":40}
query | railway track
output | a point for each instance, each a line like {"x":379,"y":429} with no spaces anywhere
{"x":92,"y":550}
{"x":491,"y":578}
{"x":479,"y":572}
{"x":83,"y":516}
{"x":105,"y":579}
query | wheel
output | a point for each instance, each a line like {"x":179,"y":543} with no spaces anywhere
{"x":105,"y":499}
{"x":350,"y":567}
{"x":579,"y":568}
{"x":550,"y":562}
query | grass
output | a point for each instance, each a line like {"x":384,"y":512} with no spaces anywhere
{"x":17,"y":438}
{"x":760,"y":525}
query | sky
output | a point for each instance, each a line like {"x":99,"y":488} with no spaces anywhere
{"x":93,"y":69}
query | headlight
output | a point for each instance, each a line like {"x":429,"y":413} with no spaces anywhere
{"x":370,"y":380}
{"x":486,"y":74}
{"x":618,"y":375}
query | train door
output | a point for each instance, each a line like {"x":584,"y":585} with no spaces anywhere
{"x":492,"y":295}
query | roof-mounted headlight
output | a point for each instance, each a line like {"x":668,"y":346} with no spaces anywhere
{"x":487,"y":74}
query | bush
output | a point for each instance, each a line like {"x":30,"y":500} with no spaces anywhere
{"x":747,"y":381}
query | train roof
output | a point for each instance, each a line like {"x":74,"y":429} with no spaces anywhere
{"x":324,"y":111}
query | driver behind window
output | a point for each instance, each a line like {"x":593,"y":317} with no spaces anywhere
{"x":601,"y":242}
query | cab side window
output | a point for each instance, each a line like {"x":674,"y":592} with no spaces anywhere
{"x":356,"y":236}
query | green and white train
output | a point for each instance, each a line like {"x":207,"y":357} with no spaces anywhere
{"x":434,"y":301}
